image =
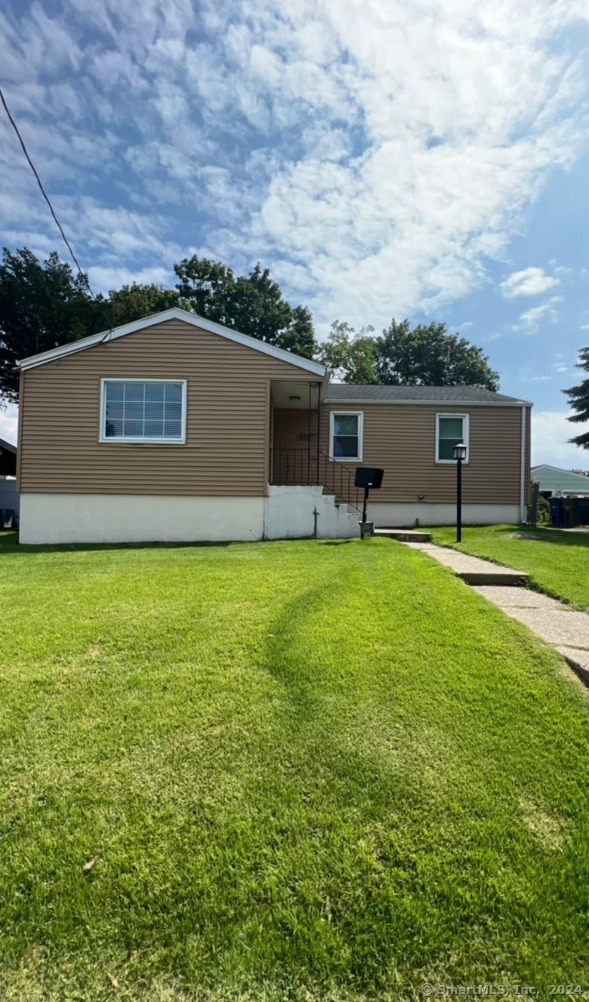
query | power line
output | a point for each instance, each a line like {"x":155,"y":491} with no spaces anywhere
{"x":44,"y":193}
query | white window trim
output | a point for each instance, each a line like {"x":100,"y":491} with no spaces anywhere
{"x":347,"y":459}
{"x":139,"y":440}
{"x":465,"y":437}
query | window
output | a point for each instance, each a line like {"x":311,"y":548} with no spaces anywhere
{"x":450,"y":430}
{"x":346,"y":436}
{"x":137,"y":410}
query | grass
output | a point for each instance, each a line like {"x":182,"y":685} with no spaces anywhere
{"x":557,"y":562}
{"x":303,"y":771}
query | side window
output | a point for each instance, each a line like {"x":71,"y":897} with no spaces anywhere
{"x":450,"y":430}
{"x":346,"y":429}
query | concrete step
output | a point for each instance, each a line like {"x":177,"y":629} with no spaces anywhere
{"x":473,"y":570}
{"x":578,"y":659}
{"x":404,"y":535}
{"x":505,"y":577}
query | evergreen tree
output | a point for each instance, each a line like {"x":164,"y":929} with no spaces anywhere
{"x":579,"y":400}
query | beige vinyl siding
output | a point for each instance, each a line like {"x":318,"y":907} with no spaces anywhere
{"x":227,"y":428}
{"x":400,"y":438}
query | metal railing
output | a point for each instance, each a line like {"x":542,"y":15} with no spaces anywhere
{"x":304,"y":467}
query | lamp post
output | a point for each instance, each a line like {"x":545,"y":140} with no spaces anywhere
{"x":459,"y":454}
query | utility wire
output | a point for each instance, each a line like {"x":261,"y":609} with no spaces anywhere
{"x":44,"y":193}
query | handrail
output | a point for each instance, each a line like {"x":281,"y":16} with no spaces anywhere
{"x":347,"y":486}
{"x":304,"y":467}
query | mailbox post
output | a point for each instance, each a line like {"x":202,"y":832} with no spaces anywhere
{"x":367,"y":478}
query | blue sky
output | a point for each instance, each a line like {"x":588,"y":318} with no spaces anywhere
{"x":420,"y":158}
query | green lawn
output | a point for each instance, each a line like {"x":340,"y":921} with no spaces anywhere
{"x":306,"y":771}
{"x":557,"y":562}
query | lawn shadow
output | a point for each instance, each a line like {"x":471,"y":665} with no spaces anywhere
{"x":9,"y":544}
{"x":335,"y":542}
{"x":559,"y":538}
{"x":283,"y":661}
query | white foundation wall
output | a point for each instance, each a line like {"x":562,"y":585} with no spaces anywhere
{"x":404,"y":515}
{"x":289,"y":514}
{"x":138,"y":518}
{"x":286,"y":513}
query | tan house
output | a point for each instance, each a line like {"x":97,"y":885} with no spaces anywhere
{"x":176,"y":428}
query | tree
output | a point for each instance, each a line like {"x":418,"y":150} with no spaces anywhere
{"x":252,"y":304}
{"x":41,"y":306}
{"x":579,"y":400}
{"x":131,"y":302}
{"x":429,"y":356}
{"x":422,"y":356}
{"x":349,"y":354}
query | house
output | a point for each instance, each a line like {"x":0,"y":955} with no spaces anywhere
{"x":553,"y":480}
{"x":9,"y":502}
{"x":7,"y":459}
{"x":176,"y":428}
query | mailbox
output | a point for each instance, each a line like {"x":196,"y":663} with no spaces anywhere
{"x":367,"y":478}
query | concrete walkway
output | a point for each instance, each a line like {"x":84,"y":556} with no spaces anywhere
{"x":471,"y":569}
{"x":555,"y":623}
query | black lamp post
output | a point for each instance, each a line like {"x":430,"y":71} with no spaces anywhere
{"x":459,"y":455}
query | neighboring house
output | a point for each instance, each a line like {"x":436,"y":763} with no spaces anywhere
{"x":553,"y":480}
{"x":7,"y":459}
{"x":9,"y":501}
{"x":176,"y":428}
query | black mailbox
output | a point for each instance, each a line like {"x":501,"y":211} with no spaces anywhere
{"x":367,"y":478}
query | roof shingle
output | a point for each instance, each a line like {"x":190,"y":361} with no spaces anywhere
{"x":341,"y":392}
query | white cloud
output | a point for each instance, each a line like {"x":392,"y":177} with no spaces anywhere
{"x":531,"y":320}
{"x":529,"y":282}
{"x":550,"y":432}
{"x":9,"y":423}
{"x":375,"y":155}
{"x":104,"y":279}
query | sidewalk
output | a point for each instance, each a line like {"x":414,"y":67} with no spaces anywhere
{"x":555,"y":623}
{"x":471,"y":569}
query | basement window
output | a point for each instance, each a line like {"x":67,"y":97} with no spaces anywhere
{"x":450,"y":430}
{"x":143,"y":410}
{"x":345,"y":436}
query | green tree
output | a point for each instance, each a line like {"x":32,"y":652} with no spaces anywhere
{"x":42,"y":305}
{"x":252,"y":304}
{"x":579,"y":401}
{"x":131,"y":302}
{"x":350,"y":354}
{"x":429,"y":356}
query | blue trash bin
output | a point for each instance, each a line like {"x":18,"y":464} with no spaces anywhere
{"x":556,"y":511}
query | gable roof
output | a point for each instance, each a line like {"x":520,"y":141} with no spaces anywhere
{"x":7,"y":459}
{"x":7,"y":446}
{"x":346,"y":393}
{"x":555,"y":476}
{"x":159,"y":318}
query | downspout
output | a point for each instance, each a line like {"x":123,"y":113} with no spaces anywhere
{"x":309,"y":401}
{"x":522,"y":505}
{"x":318,"y":429}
